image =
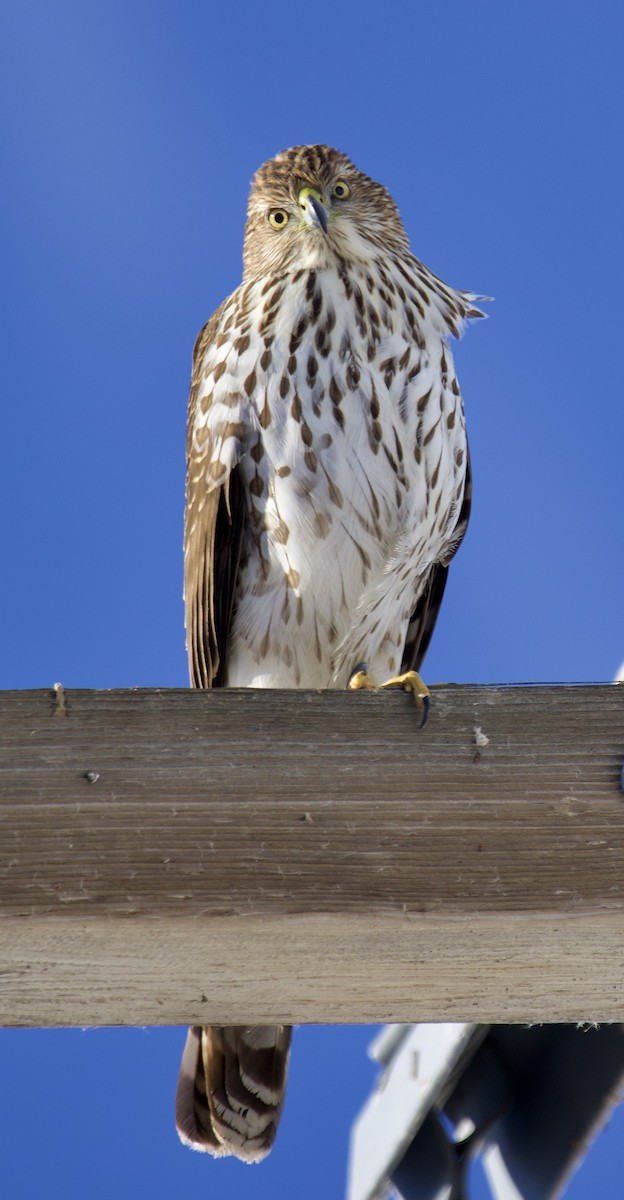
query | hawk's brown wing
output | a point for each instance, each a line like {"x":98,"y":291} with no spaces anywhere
{"x":423,"y":619}
{"x":213,"y":535}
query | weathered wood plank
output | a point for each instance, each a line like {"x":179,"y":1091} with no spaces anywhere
{"x":295,"y":856}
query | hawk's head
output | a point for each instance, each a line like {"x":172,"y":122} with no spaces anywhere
{"x":309,"y":206}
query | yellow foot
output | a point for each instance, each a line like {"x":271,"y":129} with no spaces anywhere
{"x":410,"y":681}
{"x":360,"y":678}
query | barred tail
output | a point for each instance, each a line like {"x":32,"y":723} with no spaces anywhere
{"x":231,"y":1088}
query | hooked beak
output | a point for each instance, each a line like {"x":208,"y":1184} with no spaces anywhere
{"x":315,"y":212}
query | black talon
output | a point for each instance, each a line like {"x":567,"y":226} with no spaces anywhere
{"x":426,"y":703}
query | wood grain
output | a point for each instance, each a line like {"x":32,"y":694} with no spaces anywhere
{"x":240,"y":856}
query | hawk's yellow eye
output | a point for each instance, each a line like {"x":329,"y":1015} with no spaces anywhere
{"x":278,"y":218}
{"x":341,"y":191}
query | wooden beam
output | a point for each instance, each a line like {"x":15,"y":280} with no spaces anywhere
{"x":255,"y":856}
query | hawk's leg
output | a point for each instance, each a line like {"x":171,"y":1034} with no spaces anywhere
{"x":410,"y":681}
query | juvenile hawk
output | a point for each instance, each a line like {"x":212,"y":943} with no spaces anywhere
{"x":328,"y":489}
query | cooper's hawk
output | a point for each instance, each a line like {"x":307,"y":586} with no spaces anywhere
{"x":328,"y":489}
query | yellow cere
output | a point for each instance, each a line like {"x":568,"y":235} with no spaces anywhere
{"x":309,"y":191}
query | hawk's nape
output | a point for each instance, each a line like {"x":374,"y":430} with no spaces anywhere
{"x":328,"y":488}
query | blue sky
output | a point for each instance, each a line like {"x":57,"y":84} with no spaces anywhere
{"x":129,"y":132}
